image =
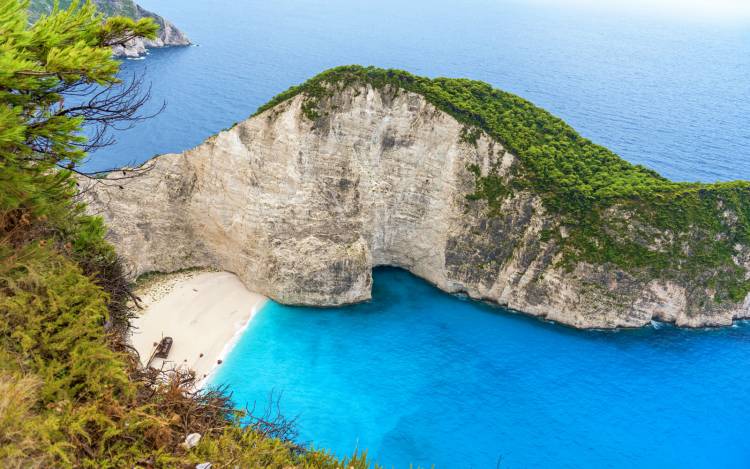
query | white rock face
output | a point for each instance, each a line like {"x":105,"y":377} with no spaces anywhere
{"x":302,"y":211}
{"x":167,"y":36}
{"x":192,"y":440}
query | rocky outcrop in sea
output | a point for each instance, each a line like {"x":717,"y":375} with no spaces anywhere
{"x":167,"y":36}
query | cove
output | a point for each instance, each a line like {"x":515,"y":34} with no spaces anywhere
{"x":422,"y":377}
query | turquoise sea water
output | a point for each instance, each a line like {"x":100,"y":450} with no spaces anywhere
{"x":420,"y":376}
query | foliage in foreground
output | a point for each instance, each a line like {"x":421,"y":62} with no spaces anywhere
{"x":71,"y":391}
{"x":71,"y":394}
{"x":611,"y":211}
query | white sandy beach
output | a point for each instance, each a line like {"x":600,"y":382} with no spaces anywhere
{"x":204,"y":312}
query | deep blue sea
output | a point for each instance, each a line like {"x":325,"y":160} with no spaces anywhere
{"x":418,"y":376}
{"x":673,"y":95}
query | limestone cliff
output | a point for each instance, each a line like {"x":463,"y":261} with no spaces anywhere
{"x":167,"y":36}
{"x":302,"y":200}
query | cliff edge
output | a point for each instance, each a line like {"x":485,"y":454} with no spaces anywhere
{"x":167,"y":36}
{"x":468,"y":187}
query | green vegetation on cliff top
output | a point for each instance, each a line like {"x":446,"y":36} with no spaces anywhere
{"x":685,"y":231}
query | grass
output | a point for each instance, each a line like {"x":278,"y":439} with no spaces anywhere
{"x":72,"y":394}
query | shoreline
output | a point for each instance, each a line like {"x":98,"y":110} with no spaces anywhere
{"x":204,"y":311}
{"x":232,"y":342}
